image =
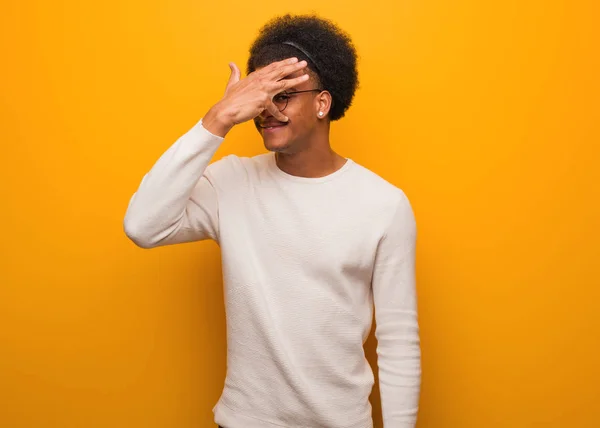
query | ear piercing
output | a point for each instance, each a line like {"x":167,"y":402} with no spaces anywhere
{"x":320,"y":114}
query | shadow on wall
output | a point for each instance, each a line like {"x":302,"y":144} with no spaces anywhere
{"x":371,"y":354}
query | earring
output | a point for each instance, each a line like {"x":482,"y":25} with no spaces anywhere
{"x":320,"y":114}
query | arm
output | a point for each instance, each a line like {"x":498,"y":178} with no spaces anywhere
{"x":397,"y":331}
{"x":176,"y":201}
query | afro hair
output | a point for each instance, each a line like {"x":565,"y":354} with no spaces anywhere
{"x":328,"y":50}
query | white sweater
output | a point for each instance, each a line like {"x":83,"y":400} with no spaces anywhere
{"x":304,"y":260}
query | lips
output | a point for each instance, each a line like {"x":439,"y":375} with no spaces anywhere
{"x":272,"y":125}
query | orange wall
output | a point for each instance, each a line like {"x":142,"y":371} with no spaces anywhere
{"x":486,"y":113}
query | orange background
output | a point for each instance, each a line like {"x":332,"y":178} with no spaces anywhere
{"x":486,"y":113}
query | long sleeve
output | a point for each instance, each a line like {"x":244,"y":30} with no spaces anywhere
{"x":176,"y":201}
{"x":397,"y":330}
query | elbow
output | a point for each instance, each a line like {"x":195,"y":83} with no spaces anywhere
{"x":137,"y":233}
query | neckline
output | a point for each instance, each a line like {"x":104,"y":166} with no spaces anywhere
{"x":308,"y":180}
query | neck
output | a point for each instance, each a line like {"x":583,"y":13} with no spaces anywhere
{"x":312,"y":163}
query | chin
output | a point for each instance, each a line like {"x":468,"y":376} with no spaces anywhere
{"x":278,"y":145}
{"x":277,"y":148}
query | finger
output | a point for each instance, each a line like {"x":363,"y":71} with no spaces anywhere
{"x":234,"y":77}
{"x":277,"y":65}
{"x":272,"y":108}
{"x":283,"y":70}
{"x":284,"y":84}
{"x":287,"y":70}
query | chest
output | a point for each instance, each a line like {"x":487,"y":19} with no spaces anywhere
{"x":328,"y":233}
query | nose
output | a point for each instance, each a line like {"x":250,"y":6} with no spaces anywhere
{"x":262,"y":118}
{"x":265,"y":114}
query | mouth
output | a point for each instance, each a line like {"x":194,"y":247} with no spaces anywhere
{"x":272,"y":126}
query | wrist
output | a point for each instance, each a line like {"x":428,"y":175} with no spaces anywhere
{"x":217,"y":122}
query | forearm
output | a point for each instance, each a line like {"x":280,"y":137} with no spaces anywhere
{"x":397,"y":332}
{"x":399,"y":361}
{"x":157,"y":208}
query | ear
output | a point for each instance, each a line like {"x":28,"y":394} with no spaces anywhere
{"x":323,"y":104}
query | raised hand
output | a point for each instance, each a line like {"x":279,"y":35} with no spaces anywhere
{"x":245,"y":99}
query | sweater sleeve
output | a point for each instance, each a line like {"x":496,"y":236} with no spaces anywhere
{"x":397,"y":330}
{"x":176,"y":201}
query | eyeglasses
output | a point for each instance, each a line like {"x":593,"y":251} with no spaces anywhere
{"x":281,"y":100}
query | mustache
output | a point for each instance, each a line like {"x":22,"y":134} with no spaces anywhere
{"x":259,"y":124}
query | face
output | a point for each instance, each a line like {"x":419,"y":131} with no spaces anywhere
{"x":301,"y":109}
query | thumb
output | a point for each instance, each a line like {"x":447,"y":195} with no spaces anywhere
{"x":234,"y":77}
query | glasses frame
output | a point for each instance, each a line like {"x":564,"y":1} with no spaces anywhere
{"x":293,"y":93}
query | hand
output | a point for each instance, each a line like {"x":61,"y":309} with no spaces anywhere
{"x":245,"y":99}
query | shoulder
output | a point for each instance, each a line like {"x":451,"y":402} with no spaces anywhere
{"x":386,"y":204}
{"x":234,"y":169}
{"x":373,"y":189}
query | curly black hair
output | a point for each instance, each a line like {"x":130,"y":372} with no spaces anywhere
{"x":329,"y":51}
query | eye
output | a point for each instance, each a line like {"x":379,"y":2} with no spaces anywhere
{"x":281,"y":97}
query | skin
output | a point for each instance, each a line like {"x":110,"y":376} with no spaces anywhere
{"x":302,"y":147}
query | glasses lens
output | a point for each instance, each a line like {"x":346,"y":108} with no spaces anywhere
{"x":280,"y":101}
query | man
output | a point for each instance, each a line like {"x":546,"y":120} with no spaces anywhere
{"x":310,"y":241}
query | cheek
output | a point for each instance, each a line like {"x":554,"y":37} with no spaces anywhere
{"x":305,"y":113}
